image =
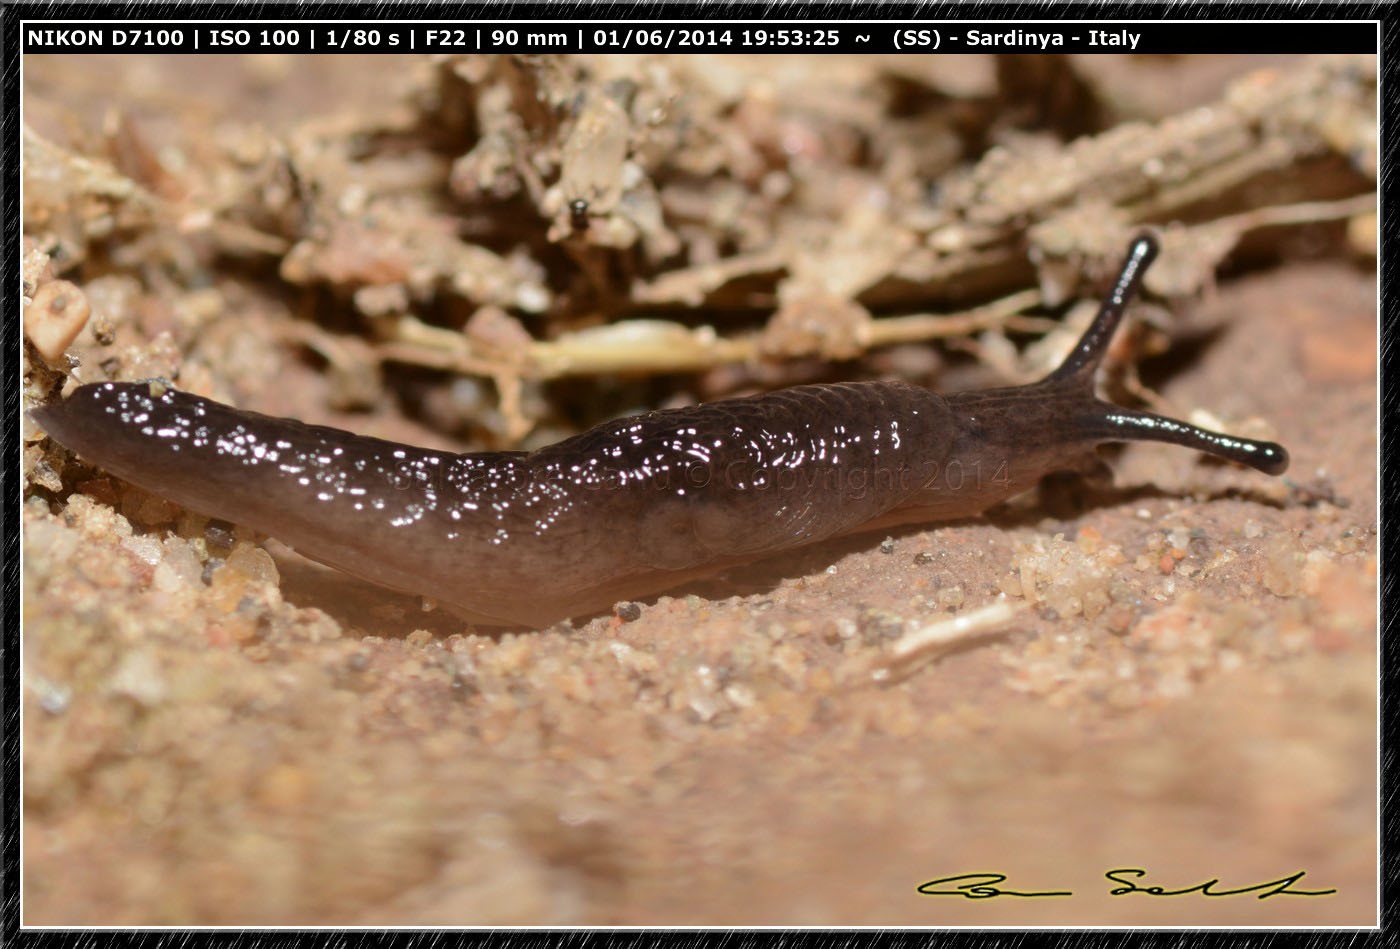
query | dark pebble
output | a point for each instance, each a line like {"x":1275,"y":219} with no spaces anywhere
{"x":218,"y":536}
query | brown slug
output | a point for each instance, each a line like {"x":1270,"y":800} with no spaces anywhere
{"x":633,"y":506}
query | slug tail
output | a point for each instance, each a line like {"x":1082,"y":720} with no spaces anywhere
{"x":70,"y":427}
{"x":1090,"y":349}
{"x":1110,"y":422}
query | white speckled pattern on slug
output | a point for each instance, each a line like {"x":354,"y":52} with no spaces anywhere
{"x":634,"y":505}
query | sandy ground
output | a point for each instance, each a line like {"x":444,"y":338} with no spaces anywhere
{"x":218,"y":731}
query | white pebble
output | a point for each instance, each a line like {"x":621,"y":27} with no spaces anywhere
{"x":145,"y":547}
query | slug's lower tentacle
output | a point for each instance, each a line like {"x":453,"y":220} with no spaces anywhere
{"x":1110,"y":422}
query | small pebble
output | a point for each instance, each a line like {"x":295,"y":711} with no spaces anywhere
{"x":923,"y":557}
{"x":1119,"y":620}
{"x":53,"y":697}
{"x":45,"y":476}
{"x":218,"y":537}
{"x":846,"y":628}
{"x":179,"y":567}
{"x":254,"y":562}
{"x":145,"y":547}
{"x":55,"y":317}
{"x":887,"y":545}
{"x":465,"y":686}
{"x":951,"y":598}
{"x":741,"y":695}
{"x":1282,"y":569}
{"x":628,"y":611}
{"x":139,"y":678}
{"x":877,"y":624}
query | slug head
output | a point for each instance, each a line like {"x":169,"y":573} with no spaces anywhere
{"x":1093,"y":420}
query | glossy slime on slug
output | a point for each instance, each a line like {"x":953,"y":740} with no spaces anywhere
{"x":635,"y":505}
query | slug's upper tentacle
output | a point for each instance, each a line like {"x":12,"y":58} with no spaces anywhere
{"x":1088,"y":353}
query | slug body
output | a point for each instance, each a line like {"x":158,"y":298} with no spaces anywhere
{"x":632,"y":506}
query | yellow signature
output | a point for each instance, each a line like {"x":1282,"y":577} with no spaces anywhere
{"x":985,"y":886}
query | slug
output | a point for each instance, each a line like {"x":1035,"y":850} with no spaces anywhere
{"x":633,"y":506}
